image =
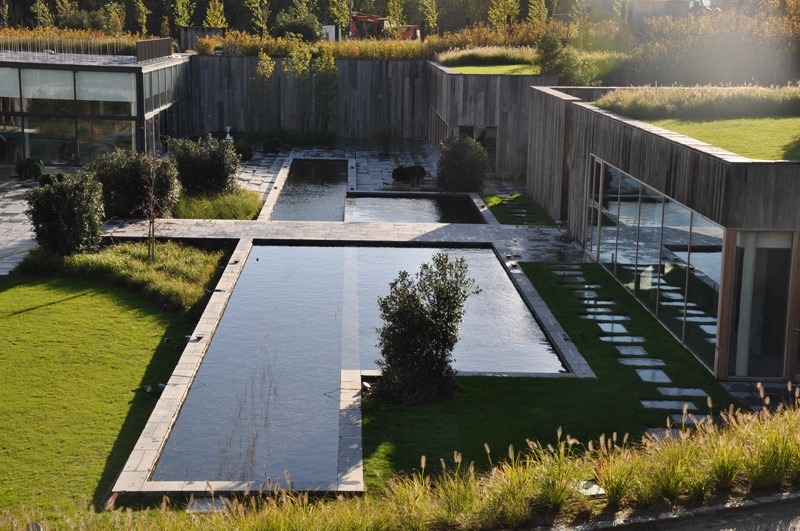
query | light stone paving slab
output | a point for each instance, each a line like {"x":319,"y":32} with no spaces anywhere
{"x":642,"y":362}
{"x":606,"y":317}
{"x":668,"y":404}
{"x":612,"y":328}
{"x":584,"y":294}
{"x":653,"y":376}
{"x":622,"y":340}
{"x":631,"y":350}
{"x":682,"y":391}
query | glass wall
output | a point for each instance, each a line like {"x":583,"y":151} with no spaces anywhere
{"x":667,"y":256}
{"x":71,"y":116}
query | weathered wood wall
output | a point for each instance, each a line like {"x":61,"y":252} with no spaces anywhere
{"x":488,"y":100}
{"x":730,"y":190}
{"x":371,"y":95}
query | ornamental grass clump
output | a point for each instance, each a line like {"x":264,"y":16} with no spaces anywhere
{"x":615,"y":468}
{"x":456,"y":495}
{"x":558,"y":470}
{"x":509,"y":489}
{"x":711,"y":102}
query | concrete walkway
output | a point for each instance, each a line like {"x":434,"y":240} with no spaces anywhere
{"x":16,"y":232}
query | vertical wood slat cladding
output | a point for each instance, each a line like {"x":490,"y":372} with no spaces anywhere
{"x":227,"y":90}
{"x":730,"y":190}
{"x":488,"y":100}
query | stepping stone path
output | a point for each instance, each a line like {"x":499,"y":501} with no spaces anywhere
{"x":632,"y":349}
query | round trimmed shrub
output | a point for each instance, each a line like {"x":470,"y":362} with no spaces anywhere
{"x":206,"y":166}
{"x":462,"y":165}
{"x":127,"y":178}
{"x":67,"y":214}
{"x":29,"y":168}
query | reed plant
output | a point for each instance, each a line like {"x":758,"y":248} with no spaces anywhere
{"x":615,"y":468}
{"x":488,"y":55}
{"x":62,"y":40}
{"x":509,"y":489}
{"x":239,"y":204}
{"x":177,"y":278}
{"x":456,"y":496}
{"x":558,"y":471}
{"x":701,"y":102}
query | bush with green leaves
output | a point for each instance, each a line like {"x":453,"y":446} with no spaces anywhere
{"x":67,"y":214}
{"x":128,"y":178}
{"x":422,"y":315}
{"x":206,"y":166}
{"x":462,"y":164}
{"x":29,"y":168}
{"x":306,"y":26}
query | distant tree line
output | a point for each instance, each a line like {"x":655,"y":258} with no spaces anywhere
{"x":162,"y":17}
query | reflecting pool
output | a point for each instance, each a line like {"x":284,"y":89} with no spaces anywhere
{"x":266,"y":397}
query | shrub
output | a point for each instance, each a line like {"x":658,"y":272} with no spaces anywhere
{"x":306,"y":26}
{"x":422,"y":315}
{"x":30,"y":169}
{"x":245,"y":151}
{"x":127,"y":179}
{"x":409,"y":174}
{"x":462,"y":164}
{"x":67,"y":214}
{"x":207,"y":166}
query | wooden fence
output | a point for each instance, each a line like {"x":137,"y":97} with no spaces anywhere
{"x":480,"y":101}
{"x":370,"y":95}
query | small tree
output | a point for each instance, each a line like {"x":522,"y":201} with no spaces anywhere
{"x":339,"y":11}
{"x":44,"y":17}
{"x":215,"y":15}
{"x":114,"y":17}
{"x":394,"y":17}
{"x":537,"y":11}
{"x":500,"y":10}
{"x":422,"y":316}
{"x":141,"y":15}
{"x":126,"y":178}
{"x":4,"y":10}
{"x":67,"y":214}
{"x":259,"y":15}
{"x":430,"y":14}
{"x":182,"y":11}
{"x":462,"y":164}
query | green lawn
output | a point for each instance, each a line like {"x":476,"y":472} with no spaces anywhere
{"x":502,"y":211}
{"x":75,"y":356}
{"x":241,"y":204}
{"x":757,"y":138}
{"x":503,"y":411}
{"x":518,"y":70}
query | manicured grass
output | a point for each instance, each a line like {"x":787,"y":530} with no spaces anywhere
{"x":774,"y":138}
{"x":503,"y":411}
{"x":74,"y":358}
{"x":517,"y":70}
{"x":177,"y":278}
{"x":241,"y":204}
{"x":520,"y":201}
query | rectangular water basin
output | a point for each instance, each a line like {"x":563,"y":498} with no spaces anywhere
{"x":266,"y":398}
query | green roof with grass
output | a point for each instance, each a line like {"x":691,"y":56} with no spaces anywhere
{"x":754,"y":122}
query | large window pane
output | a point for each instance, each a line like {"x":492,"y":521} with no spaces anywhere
{"x":763,"y":262}
{"x":593,"y":207}
{"x":110,"y":93}
{"x":9,"y":90}
{"x":52,"y":140}
{"x":11,"y":144}
{"x":676,"y":239}
{"x":627,"y":229}
{"x":648,"y":266}
{"x":609,"y":215}
{"x":51,"y":91}
{"x":102,"y":136}
{"x":705,"y":268}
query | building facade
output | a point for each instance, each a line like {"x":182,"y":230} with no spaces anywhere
{"x":67,"y":109}
{"x":706,"y":240}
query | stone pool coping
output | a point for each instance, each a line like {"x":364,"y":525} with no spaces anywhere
{"x":134,"y":480}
